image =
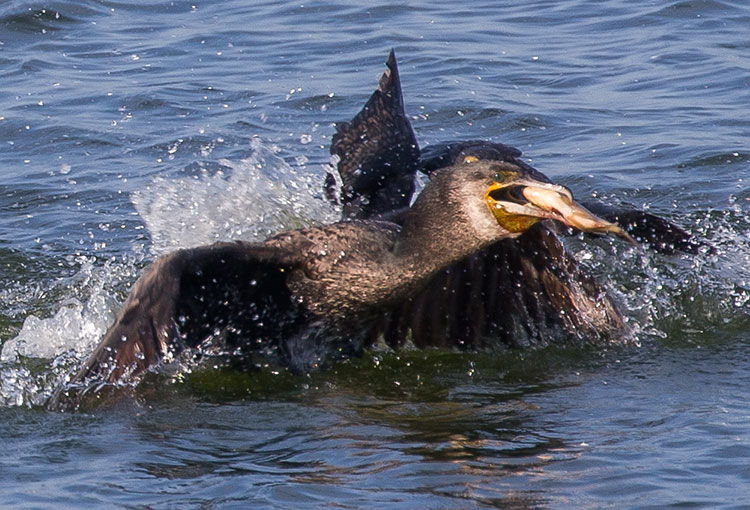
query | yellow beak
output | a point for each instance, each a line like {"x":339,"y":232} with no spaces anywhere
{"x":519,"y":204}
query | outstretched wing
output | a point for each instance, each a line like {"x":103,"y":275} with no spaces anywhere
{"x":517,"y":293}
{"x":659,"y":234}
{"x":378,"y":153}
{"x":232,"y":290}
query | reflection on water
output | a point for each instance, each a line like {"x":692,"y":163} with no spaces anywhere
{"x":534,"y":431}
{"x":340,"y":443}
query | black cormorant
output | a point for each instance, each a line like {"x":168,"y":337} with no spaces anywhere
{"x":473,"y":263}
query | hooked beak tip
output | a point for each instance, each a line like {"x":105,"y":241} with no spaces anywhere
{"x":539,"y":200}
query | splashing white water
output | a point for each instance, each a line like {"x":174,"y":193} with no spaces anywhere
{"x":253,"y":199}
{"x":682,"y":297}
{"x":257,"y":197}
{"x":41,"y":338}
{"x":66,"y":337}
{"x":76,"y":325}
{"x":263,"y":194}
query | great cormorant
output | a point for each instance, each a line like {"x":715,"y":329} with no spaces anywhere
{"x":474,"y":262}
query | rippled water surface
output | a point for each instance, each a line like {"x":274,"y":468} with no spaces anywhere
{"x":128,"y":129}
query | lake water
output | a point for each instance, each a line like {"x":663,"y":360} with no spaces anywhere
{"x":128,"y":129}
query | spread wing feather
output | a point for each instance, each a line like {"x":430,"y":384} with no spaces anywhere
{"x":378,"y":153}
{"x":230,"y":290}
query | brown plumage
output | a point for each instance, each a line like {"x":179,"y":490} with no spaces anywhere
{"x":378,"y":153}
{"x":444,"y":272}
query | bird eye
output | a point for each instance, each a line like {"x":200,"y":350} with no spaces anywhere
{"x":498,"y":177}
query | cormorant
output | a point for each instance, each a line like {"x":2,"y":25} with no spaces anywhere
{"x":474,"y":262}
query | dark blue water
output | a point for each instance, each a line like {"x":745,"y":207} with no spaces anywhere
{"x":131,"y":128}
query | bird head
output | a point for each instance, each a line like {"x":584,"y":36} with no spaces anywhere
{"x":492,"y":193}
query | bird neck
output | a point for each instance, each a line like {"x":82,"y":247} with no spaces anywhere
{"x":438,"y":231}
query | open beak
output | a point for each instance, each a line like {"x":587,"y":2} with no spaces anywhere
{"x":518,"y":204}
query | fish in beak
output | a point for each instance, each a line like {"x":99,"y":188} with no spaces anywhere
{"x":520,"y":203}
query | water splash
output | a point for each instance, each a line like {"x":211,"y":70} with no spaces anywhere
{"x":683,"y":298}
{"x":250,"y":200}
{"x":677,"y":298}
{"x":46,"y":350}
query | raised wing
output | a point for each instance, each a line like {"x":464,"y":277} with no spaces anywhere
{"x":378,"y":153}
